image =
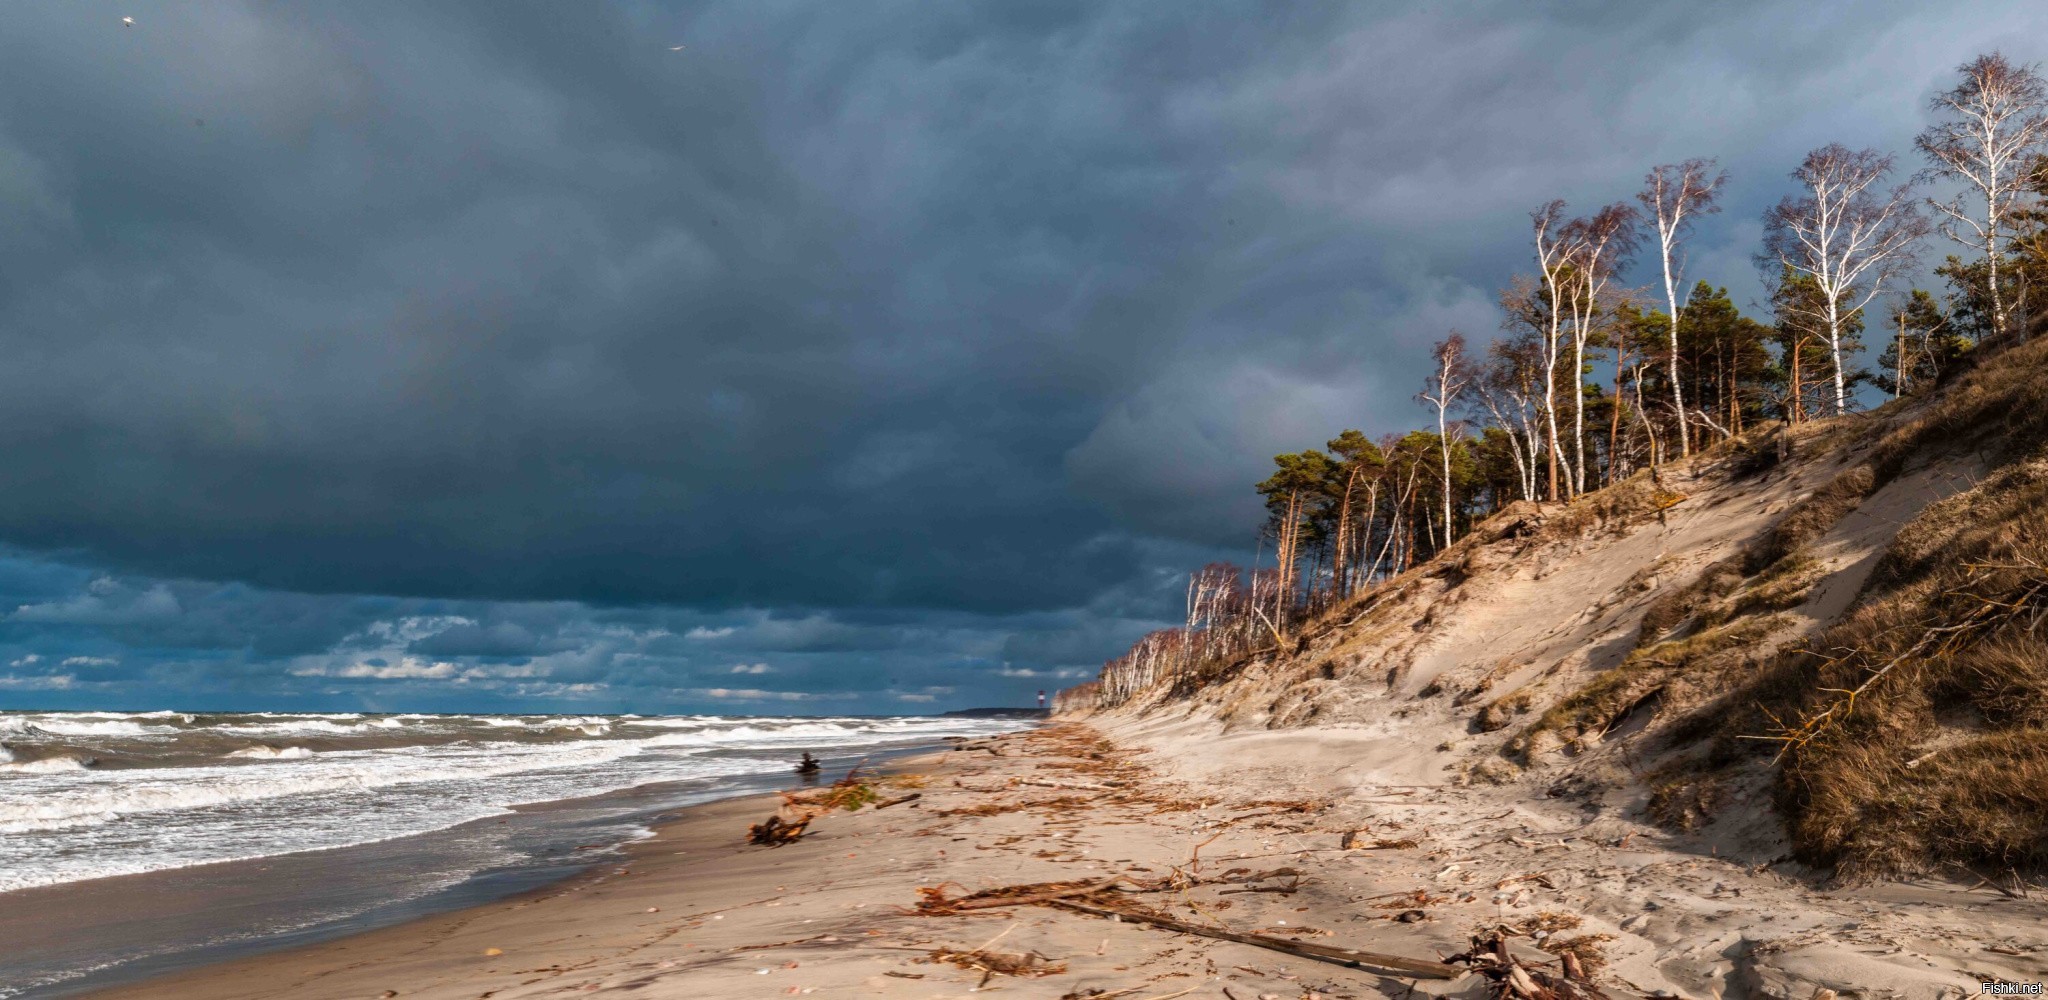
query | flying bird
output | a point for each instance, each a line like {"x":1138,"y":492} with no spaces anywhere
{"x":127,"y":22}
{"x":675,"y":48}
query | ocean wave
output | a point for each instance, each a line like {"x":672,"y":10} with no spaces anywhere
{"x":582,"y":722}
{"x":302,"y":715}
{"x":675,"y":721}
{"x":575,"y":722}
{"x":67,"y":725}
{"x":109,"y":795}
{"x":294,"y":727}
{"x":273,"y":753}
{"x":747,"y":735}
{"x":159,"y":714}
{"x":47,"y":765}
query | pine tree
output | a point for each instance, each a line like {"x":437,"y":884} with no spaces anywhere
{"x":1922,"y":334}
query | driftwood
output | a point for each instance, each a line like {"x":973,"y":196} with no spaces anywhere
{"x":912,"y":797}
{"x":775,"y":831}
{"x":1080,"y":786}
{"x":1355,"y":841}
{"x":1489,"y":956}
{"x":1342,"y":956}
{"x":935,"y":903}
{"x":991,"y":963}
{"x":1541,"y":878}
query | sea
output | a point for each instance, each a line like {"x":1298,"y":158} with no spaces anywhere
{"x":133,"y":843}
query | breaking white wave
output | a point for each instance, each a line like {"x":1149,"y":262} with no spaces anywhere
{"x":295,"y":727}
{"x":672,"y":722}
{"x":544,"y":722}
{"x":48,"y":765}
{"x":575,"y":722}
{"x":273,"y":753}
{"x":53,"y":724}
{"x":162,"y":714}
{"x":303,"y":715}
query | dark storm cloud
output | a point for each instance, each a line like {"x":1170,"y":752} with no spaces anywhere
{"x":76,"y":637}
{"x":874,"y":334}
{"x":528,"y":306}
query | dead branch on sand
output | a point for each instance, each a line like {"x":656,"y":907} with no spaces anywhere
{"x":932,"y":902}
{"x":1082,"y":786}
{"x":1351,"y":957}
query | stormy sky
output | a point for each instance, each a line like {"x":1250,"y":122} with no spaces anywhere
{"x":857,"y":357}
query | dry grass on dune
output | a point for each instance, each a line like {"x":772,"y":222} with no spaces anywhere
{"x":1684,"y":799}
{"x":1649,"y":675}
{"x":1679,"y":605}
{"x":2000,"y":406}
{"x":1773,"y":574}
{"x":1614,"y":508}
{"x":1941,"y":757}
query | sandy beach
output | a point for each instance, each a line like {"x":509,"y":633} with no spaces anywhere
{"x":697,"y":912}
{"x":1258,"y":847}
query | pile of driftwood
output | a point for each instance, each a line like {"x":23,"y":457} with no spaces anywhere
{"x":1514,"y":980}
{"x":1105,"y":898}
{"x":1113,"y":897}
{"x":798,"y":810}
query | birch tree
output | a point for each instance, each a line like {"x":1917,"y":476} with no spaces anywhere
{"x":1993,"y":126}
{"x":1506,"y":390}
{"x":1845,"y":233}
{"x":1599,"y":246}
{"x":1554,"y":259}
{"x":1675,"y":194}
{"x":1447,"y":380}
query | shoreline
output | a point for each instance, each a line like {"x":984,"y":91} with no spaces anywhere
{"x":74,"y":939}
{"x":703,"y":834}
{"x":257,"y":975}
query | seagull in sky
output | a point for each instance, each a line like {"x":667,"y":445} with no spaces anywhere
{"x":675,"y":48}
{"x":127,"y":22}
